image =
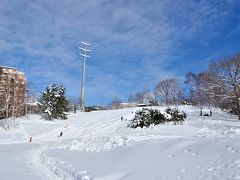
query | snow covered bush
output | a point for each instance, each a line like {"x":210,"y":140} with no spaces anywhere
{"x":147,"y":117}
{"x":150,"y":117}
{"x":175,"y":115}
{"x":54,"y":103}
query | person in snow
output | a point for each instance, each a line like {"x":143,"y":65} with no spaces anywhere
{"x":210,"y":113}
{"x":30,"y":140}
{"x":61,"y":134}
{"x":200,"y":112}
{"x":75,"y":108}
{"x":122,"y":118}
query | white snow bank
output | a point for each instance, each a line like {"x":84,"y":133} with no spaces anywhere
{"x":175,"y":159}
{"x":96,"y":143}
{"x":63,"y":171}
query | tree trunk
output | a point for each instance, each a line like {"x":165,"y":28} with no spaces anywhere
{"x":238,"y":110}
{"x":166,"y":99}
{"x":237,"y":100}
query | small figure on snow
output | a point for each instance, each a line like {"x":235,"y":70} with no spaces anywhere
{"x":200,"y":112}
{"x":210,"y":113}
{"x":30,"y":140}
{"x":61,"y":134}
{"x":122,"y":118}
{"x":75,"y":108}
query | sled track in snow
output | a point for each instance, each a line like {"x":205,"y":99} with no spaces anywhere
{"x":61,"y":170}
{"x":54,"y":169}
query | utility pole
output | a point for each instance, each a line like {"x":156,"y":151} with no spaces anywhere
{"x":84,"y":50}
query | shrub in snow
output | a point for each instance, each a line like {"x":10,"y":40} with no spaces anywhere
{"x":151,"y":117}
{"x":54,"y":103}
{"x":175,"y":115}
{"x":147,"y":117}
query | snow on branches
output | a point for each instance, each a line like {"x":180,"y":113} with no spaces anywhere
{"x":54,"y":103}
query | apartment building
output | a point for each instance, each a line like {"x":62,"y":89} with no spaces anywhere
{"x":12,"y":92}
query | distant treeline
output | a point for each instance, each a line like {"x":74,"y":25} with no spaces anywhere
{"x":218,"y":86}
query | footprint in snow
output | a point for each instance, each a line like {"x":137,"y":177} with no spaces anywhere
{"x":194,"y":154}
{"x":234,"y":151}
{"x":184,"y":170}
{"x":170,"y":156}
{"x":231,"y":149}
{"x":86,"y":178}
{"x":199,"y":166}
{"x":211,"y":169}
{"x":237,"y":163}
{"x":187,"y":151}
{"x":179,"y":177}
{"x":83,"y":175}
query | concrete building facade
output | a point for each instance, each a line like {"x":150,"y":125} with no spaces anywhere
{"x":12,"y":92}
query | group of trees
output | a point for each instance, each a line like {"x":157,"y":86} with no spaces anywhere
{"x":168,"y":92}
{"x":218,"y":86}
{"x":142,"y":97}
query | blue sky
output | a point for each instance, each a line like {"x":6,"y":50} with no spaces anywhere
{"x":135,"y":43}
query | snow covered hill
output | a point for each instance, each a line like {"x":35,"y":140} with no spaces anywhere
{"x":98,"y":145}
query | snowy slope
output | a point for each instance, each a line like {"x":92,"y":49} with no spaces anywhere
{"x":98,"y":145}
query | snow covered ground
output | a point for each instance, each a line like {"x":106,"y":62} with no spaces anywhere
{"x":98,"y":145}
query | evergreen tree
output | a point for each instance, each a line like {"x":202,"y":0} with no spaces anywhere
{"x":54,"y":102}
{"x":62,"y":103}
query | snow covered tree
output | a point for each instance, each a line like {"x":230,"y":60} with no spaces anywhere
{"x":54,"y":102}
{"x":223,"y":83}
{"x":219,"y":85}
{"x":147,"y":117}
{"x":62,"y":103}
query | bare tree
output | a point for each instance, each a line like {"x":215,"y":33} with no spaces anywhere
{"x":32,"y":98}
{"x":175,"y":91}
{"x":5,"y":100}
{"x":116,"y":103}
{"x":131,"y":98}
{"x":223,"y":82}
{"x":198,"y":95}
{"x":136,"y":98}
{"x":168,"y":90}
{"x":145,"y":96}
{"x":163,"y":90}
{"x":148,"y":97}
{"x":139,"y":97}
